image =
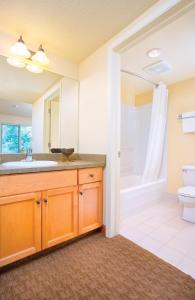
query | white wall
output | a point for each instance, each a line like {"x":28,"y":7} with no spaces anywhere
{"x":68,"y":123}
{"x":55,"y":114}
{"x":39,"y":131}
{"x":38,"y":126}
{"x":13,"y":119}
{"x":93,"y":104}
{"x":69,"y":118}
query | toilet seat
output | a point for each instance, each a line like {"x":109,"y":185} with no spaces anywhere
{"x":187,"y":191}
{"x":187,"y":194}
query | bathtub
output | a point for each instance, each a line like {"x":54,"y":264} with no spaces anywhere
{"x":136,"y":197}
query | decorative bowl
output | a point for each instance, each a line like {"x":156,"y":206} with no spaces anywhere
{"x":55,"y":150}
{"x":67,"y":151}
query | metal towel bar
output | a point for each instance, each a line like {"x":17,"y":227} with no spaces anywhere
{"x":181,"y":118}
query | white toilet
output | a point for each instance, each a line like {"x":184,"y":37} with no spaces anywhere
{"x":186,"y":193}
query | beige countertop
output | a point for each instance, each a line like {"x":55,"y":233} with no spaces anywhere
{"x":80,"y":162}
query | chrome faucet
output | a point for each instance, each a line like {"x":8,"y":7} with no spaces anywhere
{"x":28,"y":154}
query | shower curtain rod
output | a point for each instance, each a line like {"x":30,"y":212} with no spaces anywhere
{"x":139,"y":76}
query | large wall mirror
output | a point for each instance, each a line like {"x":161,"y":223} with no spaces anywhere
{"x":37,"y":111}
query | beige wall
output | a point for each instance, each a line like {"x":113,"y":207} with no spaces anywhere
{"x":143,"y":98}
{"x":181,"y":147}
{"x":128,"y":95}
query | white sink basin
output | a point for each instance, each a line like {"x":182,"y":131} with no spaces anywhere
{"x":30,"y":164}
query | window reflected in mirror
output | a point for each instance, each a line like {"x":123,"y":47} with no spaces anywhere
{"x":15,"y":138}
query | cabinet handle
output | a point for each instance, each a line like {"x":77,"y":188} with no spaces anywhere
{"x":38,"y":202}
{"x":81,"y":193}
{"x":91,"y":175}
{"x":45,"y":200}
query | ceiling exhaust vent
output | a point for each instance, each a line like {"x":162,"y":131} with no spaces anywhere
{"x":158,"y":68}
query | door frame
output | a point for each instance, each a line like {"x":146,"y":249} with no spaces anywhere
{"x":158,"y":13}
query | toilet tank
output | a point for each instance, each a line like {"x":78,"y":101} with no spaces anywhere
{"x":188,"y":172}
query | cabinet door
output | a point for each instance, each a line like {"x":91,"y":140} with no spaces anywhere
{"x":59,"y":216}
{"x":90,"y":206}
{"x":20,"y":226}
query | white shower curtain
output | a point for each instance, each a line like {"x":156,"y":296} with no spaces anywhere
{"x":156,"y":142}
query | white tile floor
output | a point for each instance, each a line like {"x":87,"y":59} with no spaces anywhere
{"x":161,"y":231}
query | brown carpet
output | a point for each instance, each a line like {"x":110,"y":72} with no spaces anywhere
{"x":97,"y":268}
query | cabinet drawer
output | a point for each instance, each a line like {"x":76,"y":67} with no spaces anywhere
{"x":90,"y":175}
{"x":26,"y":183}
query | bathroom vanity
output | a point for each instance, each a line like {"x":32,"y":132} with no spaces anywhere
{"x":48,"y":200}
{"x":40,"y":209}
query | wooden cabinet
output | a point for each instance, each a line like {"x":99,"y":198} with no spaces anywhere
{"x":67,"y":204}
{"x":90,"y":206}
{"x":90,"y":175}
{"x":20,"y":226}
{"x":31,"y":182}
{"x":59,"y":216}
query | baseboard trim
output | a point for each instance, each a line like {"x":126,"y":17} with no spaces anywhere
{"x":103,"y":229}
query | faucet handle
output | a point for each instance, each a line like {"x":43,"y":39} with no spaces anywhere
{"x":28,"y":154}
{"x":29,"y":150}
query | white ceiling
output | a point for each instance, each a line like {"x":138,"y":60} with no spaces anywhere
{"x":72,"y":29}
{"x":20,"y":85}
{"x":15,"y":108}
{"x":177,"y":43}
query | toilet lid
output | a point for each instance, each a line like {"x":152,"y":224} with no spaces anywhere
{"x":188,"y":191}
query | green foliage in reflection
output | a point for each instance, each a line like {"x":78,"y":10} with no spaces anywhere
{"x":15,"y":138}
{"x":25,"y":138}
